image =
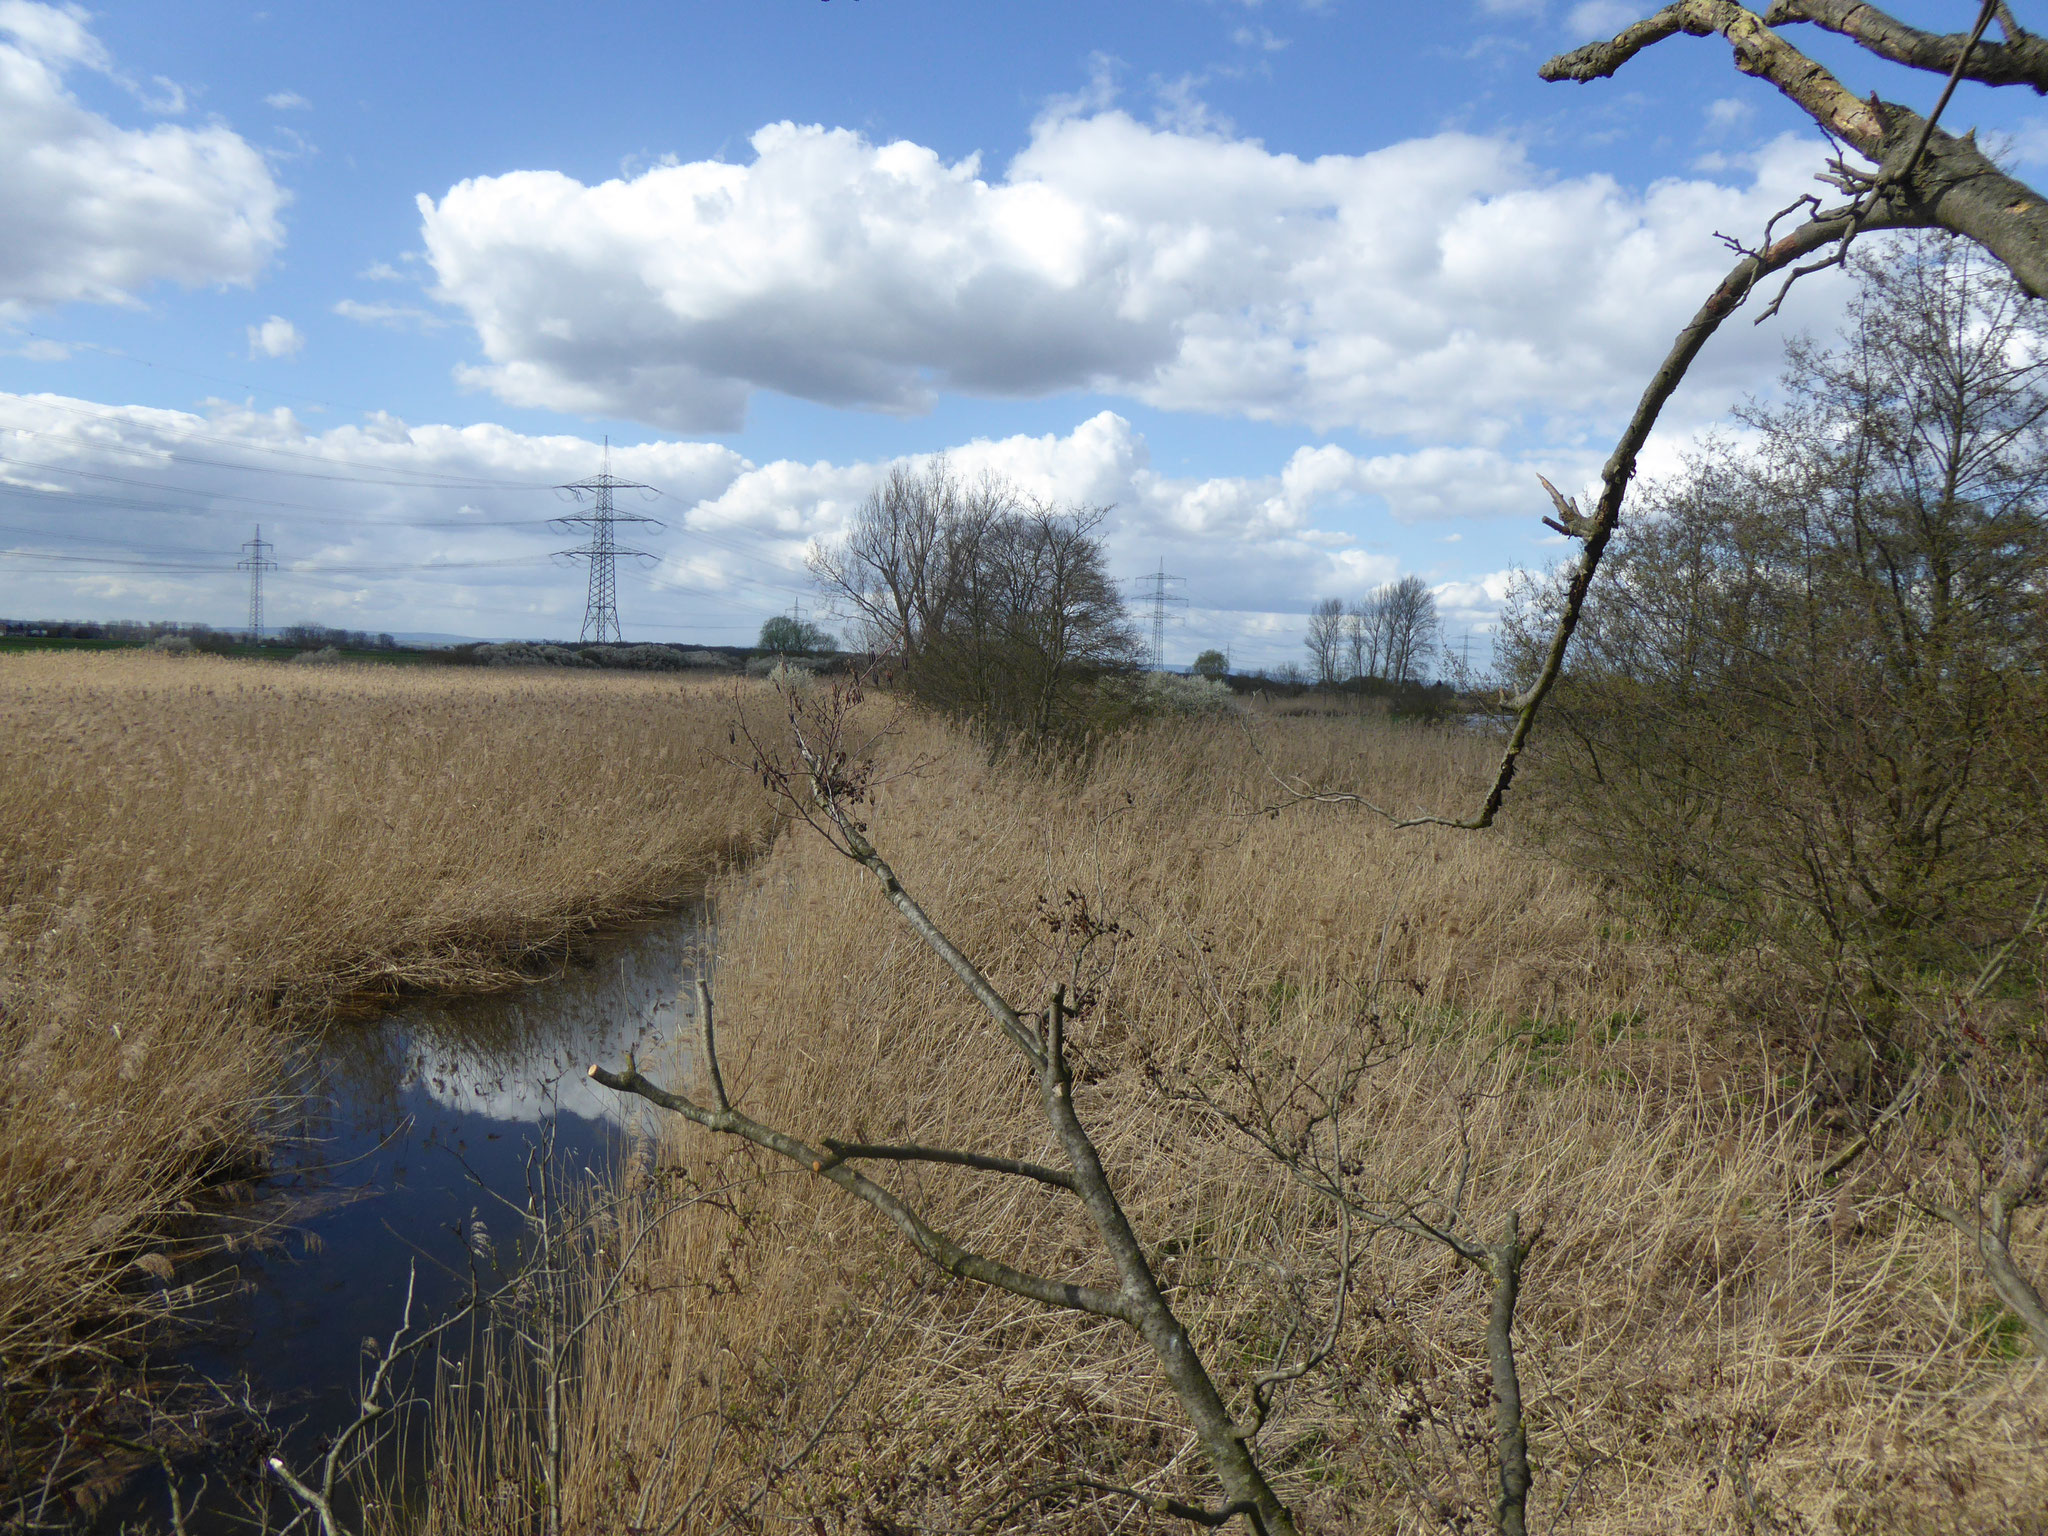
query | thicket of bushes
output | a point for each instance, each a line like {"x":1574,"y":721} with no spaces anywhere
{"x":1808,"y":707}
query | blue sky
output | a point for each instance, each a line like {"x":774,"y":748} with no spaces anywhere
{"x":1309,"y":292}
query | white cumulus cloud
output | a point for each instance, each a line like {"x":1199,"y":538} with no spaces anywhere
{"x":97,"y":212}
{"x":275,"y":337}
{"x":1442,"y":286}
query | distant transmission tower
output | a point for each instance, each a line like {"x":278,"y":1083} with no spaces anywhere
{"x":256,"y":560}
{"x":601,"y":612}
{"x":1160,"y":598}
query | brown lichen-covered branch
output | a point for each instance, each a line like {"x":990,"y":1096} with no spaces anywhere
{"x":2022,"y":59}
{"x":1941,"y":179}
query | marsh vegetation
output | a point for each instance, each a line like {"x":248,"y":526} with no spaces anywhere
{"x":1716,"y":1331}
{"x":1724,"y":1323}
{"x":202,"y":862}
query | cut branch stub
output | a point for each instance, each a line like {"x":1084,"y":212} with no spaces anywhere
{"x":1569,"y":520}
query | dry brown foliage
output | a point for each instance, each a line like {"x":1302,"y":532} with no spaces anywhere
{"x":199,"y":859}
{"x":1711,"y":1339}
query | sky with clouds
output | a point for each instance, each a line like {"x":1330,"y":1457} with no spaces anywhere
{"x":1307,"y":291}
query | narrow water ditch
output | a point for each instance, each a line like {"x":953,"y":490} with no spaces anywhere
{"x":415,"y":1128}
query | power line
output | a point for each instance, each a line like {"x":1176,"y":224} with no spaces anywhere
{"x":316,"y":513}
{"x":601,"y":609}
{"x":121,"y":355}
{"x":422,"y":479}
{"x":1160,"y":599}
{"x":256,"y":560}
{"x":173,"y":563}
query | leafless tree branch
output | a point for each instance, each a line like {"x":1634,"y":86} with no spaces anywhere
{"x":2021,"y":60}
{"x":1939,"y":179}
{"x":829,"y":786}
{"x":843,"y":1151}
{"x":939,"y":1249}
{"x":1596,"y":529}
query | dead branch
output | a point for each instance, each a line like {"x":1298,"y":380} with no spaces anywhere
{"x":371,"y":1409}
{"x":827,"y":784}
{"x":843,"y":1151}
{"x":1988,"y":1225}
{"x":1941,"y":180}
{"x":1879,"y":211}
{"x":2021,"y":60}
{"x":936,"y":1247}
{"x":1296,"y":1122}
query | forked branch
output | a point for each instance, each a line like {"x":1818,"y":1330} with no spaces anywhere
{"x":1944,"y":180}
{"x":827,"y":782}
{"x":936,"y":1247}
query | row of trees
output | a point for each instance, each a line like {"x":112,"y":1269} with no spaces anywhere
{"x":315,"y":636}
{"x":1389,"y":634}
{"x":1000,"y":607}
{"x":997,"y":606}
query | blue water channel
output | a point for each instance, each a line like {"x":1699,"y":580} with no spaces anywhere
{"x":418,"y":1127}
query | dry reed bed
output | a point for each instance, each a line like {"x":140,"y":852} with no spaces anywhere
{"x":200,"y":858}
{"x":1710,"y":1342}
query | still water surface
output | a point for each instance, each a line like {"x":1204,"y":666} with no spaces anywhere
{"x":418,"y":1126}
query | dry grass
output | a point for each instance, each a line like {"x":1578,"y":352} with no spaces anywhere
{"x":1710,"y":1341}
{"x":199,"y":859}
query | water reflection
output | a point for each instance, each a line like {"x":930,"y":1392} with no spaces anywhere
{"x":419,"y":1126}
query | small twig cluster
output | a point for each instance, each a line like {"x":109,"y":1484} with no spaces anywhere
{"x":1292,"y":1110}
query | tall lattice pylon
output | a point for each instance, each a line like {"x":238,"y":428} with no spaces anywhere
{"x":601,"y":611}
{"x":1160,"y":600}
{"x":256,"y":560}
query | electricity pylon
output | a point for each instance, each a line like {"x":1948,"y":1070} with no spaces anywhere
{"x":601,"y":611}
{"x":1158,"y":580}
{"x":256,"y":560}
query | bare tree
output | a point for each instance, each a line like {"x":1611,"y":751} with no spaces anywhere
{"x":1000,"y":607}
{"x":1409,"y":624}
{"x":1326,"y":640}
{"x":1369,"y":627}
{"x":1061,"y":608}
{"x":894,"y":572}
